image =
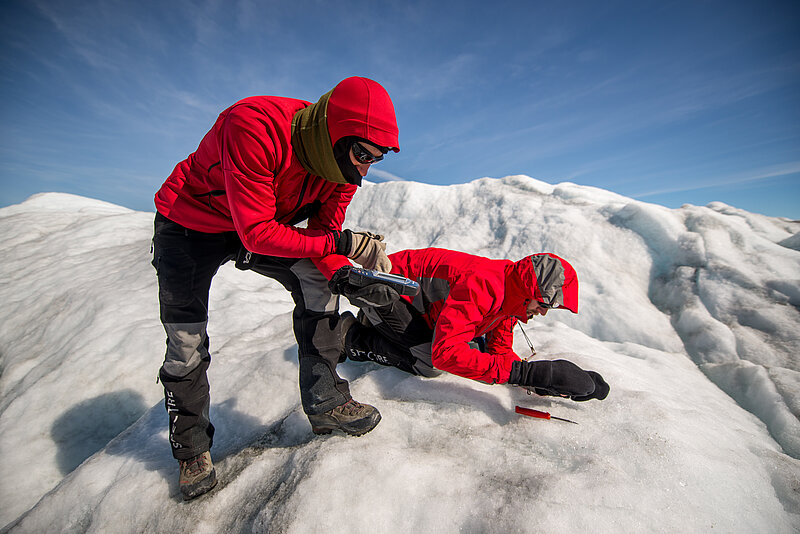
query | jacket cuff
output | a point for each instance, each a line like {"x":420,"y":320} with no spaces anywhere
{"x":329,"y":264}
{"x":344,"y":242}
{"x":516,"y":372}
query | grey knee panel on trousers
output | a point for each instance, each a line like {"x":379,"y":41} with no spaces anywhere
{"x":314,"y":287}
{"x":186,"y":347}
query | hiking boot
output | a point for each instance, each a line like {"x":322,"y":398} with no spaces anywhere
{"x":352,"y":418}
{"x":346,"y":323}
{"x":197,"y":476}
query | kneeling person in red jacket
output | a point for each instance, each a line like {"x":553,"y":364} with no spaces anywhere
{"x":463,"y":298}
{"x":267,"y":164}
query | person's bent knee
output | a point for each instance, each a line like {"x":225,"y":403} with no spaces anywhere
{"x":187,"y":347}
{"x":423,"y":369}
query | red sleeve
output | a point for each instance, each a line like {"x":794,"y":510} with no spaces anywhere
{"x":248,"y":160}
{"x":330,"y":216}
{"x":330,"y":264}
{"x":463,"y":310}
{"x":500,"y":339}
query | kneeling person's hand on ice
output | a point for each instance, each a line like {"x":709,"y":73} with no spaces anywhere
{"x":559,"y":378}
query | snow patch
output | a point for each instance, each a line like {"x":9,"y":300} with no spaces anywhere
{"x":689,"y":314}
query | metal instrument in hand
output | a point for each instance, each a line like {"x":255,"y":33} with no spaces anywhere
{"x":361,"y":277}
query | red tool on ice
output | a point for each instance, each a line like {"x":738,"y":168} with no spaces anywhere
{"x":539,"y":415}
{"x":528,"y":411}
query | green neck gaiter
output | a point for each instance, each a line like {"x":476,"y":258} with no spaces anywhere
{"x":312,"y":143}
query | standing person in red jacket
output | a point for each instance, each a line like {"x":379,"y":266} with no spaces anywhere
{"x":464,"y":298}
{"x":267,"y":164}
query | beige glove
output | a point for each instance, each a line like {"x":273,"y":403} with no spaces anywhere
{"x":368,"y":250}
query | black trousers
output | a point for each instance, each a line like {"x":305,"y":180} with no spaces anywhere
{"x":186,"y":262}
{"x":395,"y":335}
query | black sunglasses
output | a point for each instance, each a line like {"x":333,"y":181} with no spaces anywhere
{"x":363,"y":155}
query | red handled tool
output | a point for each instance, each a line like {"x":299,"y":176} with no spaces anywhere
{"x":539,"y":415}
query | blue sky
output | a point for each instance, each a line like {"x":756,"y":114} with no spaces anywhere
{"x":667,"y":102}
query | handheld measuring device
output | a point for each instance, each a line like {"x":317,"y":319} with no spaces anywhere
{"x":361,"y":277}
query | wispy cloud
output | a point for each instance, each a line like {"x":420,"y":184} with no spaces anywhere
{"x":378,"y":175}
{"x":432,"y":81}
{"x":755,"y":175}
{"x":565,"y":91}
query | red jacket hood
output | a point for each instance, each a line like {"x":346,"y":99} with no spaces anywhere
{"x":362,"y":107}
{"x":544,"y":277}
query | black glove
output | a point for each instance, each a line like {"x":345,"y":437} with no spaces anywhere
{"x":339,"y":282}
{"x":600,"y":392}
{"x":373,"y":295}
{"x":559,"y":378}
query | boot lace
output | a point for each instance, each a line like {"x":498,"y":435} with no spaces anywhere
{"x":195,"y":466}
{"x":351,"y":407}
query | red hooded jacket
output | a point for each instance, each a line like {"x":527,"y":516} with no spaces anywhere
{"x":246,"y":175}
{"x":464,"y":296}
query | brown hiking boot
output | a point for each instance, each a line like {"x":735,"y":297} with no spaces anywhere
{"x":352,"y":418}
{"x":197,"y":476}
